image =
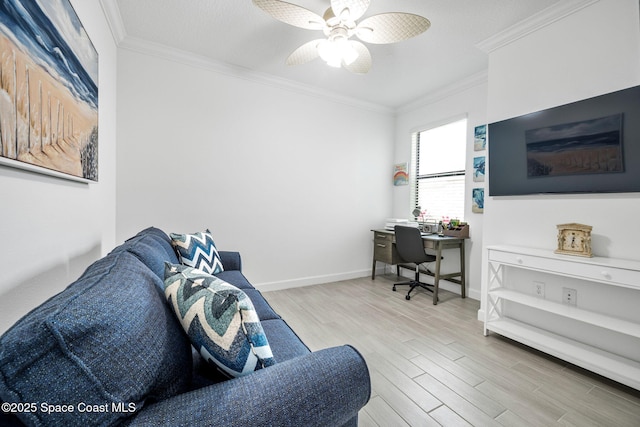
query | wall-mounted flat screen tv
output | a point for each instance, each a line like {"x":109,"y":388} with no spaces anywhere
{"x":588,"y":146}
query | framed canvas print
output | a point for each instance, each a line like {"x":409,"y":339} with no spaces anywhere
{"x":480,"y":138}
{"x":400,"y":174}
{"x":478,"y":168}
{"x":48,"y":90}
{"x":477,"y":196}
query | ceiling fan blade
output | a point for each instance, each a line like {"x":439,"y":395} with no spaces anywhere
{"x":362,"y":64}
{"x":354,"y":8}
{"x":291,"y":14}
{"x":305,"y":53}
{"x":391,"y":27}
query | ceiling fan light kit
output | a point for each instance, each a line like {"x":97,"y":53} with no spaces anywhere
{"x":337,"y":51}
{"x":338,"y":25}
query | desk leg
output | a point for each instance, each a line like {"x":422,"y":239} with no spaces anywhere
{"x":463,"y":283}
{"x":373,"y":270}
{"x":436,"y":276}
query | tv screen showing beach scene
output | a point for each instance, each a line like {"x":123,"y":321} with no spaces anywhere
{"x":589,"y":146}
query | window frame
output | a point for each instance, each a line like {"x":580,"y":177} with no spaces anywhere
{"x":415,"y":162}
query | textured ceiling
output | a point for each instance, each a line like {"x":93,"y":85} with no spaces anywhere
{"x":237,"y":33}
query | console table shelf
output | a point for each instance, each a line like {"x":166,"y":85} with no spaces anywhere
{"x":604,"y":321}
{"x":601,"y":272}
{"x":621,"y":369}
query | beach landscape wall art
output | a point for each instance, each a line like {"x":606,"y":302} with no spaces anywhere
{"x":585,"y":147}
{"x":48,"y":90}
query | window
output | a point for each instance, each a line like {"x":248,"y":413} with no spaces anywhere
{"x":438,"y":159}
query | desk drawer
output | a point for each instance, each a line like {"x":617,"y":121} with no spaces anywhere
{"x":383,"y":236}
{"x":384,"y":249}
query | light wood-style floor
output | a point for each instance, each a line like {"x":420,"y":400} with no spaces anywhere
{"x":431,"y":365}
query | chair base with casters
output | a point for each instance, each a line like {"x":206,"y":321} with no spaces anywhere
{"x":411,"y":249}
{"x":416,"y":283}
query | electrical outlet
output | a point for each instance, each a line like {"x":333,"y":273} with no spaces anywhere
{"x":538,"y":289}
{"x":569,"y":296}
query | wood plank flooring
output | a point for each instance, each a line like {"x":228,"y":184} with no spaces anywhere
{"x":431,"y":365}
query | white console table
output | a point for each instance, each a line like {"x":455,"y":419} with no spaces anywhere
{"x":598,"y":271}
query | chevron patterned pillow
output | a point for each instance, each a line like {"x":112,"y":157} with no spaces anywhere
{"x":219,"y":319}
{"x":197,"y":250}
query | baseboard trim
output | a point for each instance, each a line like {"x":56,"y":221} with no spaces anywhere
{"x":329,"y":278}
{"x":313,"y":280}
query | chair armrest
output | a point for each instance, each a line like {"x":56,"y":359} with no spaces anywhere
{"x":230,"y":260}
{"x":327,"y":387}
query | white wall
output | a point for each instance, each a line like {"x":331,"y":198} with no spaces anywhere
{"x":293,"y":181}
{"x":594,"y":51}
{"x":51,"y":228}
{"x":468,"y":100}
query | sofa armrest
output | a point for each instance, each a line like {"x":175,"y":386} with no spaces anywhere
{"x":230,"y":260}
{"x":327,"y":387}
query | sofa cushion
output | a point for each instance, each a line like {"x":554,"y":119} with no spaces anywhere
{"x":219,"y":319}
{"x":150,"y":231}
{"x":108,"y":338}
{"x":284,"y":342}
{"x":263,"y":309}
{"x":198,"y":250}
{"x":153,"y":251}
{"x":231,"y":260}
{"x":235,"y":278}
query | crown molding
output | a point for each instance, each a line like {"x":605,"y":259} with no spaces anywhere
{"x":114,"y":19}
{"x":540,"y":20}
{"x":462,"y":85}
{"x":200,"y":61}
{"x":124,"y":41}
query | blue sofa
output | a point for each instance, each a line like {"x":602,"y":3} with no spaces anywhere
{"x":108,"y":350}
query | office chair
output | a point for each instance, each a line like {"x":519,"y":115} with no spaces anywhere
{"x":411,"y":249}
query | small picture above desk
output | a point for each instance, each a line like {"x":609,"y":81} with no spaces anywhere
{"x":384,"y":250}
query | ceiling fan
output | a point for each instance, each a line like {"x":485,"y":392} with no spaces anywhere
{"x":339,"y":24}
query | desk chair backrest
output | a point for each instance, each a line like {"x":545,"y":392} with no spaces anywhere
{"x":410,"y":246}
